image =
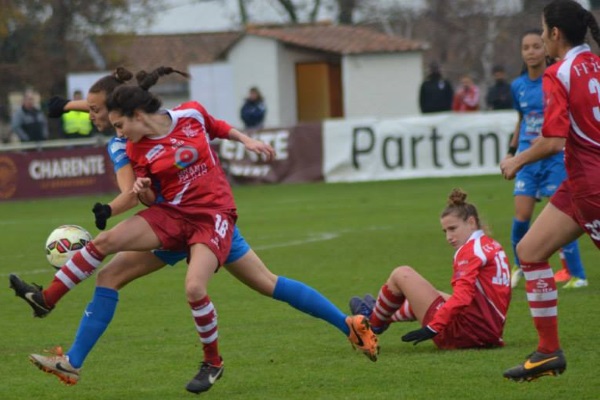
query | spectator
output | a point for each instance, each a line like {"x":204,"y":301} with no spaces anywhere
{"x":253,"y":111}
{"x":436,"y":92}
{"x":29,"y":122}
{"x":499,"y":95}
{"x":466,"y":97}
{"x":76,"y":124}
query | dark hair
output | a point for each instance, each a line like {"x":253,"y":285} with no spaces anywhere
{"x":459,"y":207}
{"x":128,"y":98}
{"x":537,"y":32}
{"x":259,"y":96}
{"x":572,"y":19}
{"x":109,"y":83}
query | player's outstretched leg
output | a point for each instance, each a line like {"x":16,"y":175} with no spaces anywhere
{"x":537,"y":365}
{"x":57,"y":365}
{"x":205,"y":378}
{"x":362,"y":337}
{"x":32,"y":294}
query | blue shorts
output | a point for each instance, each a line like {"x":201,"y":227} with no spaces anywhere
{"x":541,"y":178}
{"x":239,"y":248}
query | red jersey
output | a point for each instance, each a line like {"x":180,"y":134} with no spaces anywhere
{"x":572,"y":111}
{"x":182,"y":163}
{"x":481,"y":291}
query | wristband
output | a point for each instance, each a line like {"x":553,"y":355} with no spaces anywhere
{"x":512,"y":150}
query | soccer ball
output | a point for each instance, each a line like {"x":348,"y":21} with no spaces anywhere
{"x":64,"y":242}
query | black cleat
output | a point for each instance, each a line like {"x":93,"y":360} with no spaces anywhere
{"x":32,"y":294}
{"x":537,"y":365}
{"x":205,"y":378}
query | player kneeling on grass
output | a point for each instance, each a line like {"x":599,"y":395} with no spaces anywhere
{"x":473,"y":315}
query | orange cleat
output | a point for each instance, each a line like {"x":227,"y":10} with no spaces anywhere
{"x":362,"y":337}
{"x":562,"y":275}
{"x":58,"y":364}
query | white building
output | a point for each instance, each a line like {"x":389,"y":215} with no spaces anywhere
{"x":305,"y":72}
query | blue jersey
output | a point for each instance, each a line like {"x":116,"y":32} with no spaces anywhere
{"x":528,"y":100}
{"x":541,"y":178}
{"x":239,"y":246}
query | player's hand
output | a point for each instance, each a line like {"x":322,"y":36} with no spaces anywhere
{"x":56,"y":106}
{"x":261,"y":148}
{"x":419,"y":335}
{"x":141,"y":185}
{"x":509,"y":167}
{"x":102,"y":212}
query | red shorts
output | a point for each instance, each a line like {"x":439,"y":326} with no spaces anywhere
{"x":458,"y":334}
{"x":177,"y":231}
{"x":585,"y":210}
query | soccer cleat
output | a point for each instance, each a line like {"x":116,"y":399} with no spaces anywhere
{"x":362,"y":337}
{"x":515,"y":276}
{"x":537,"y":365}
{"x":32,"y":294}
{"x":57,"y":365}
{"x":205,"y":378}
{"x":576,"y":283}
{"x":359,"y":307}
{"x":562,"y":275}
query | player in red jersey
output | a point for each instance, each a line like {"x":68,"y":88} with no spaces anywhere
{"x":571,"y":121}
{"x":474,"y":315}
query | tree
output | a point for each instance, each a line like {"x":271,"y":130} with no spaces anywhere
{"x":37,"y":35}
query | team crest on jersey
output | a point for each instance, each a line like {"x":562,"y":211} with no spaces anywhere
{"x":155,"y":152}
{"x":189,"y":131}
{"x":185,"y":156}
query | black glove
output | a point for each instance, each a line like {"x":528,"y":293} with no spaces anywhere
{"x":102,"y":213}
{"x":56,"y":106}
{"x":419,"y":335}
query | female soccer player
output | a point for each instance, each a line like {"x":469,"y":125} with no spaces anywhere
{"x":541,"y":178}
{"x":473,"y":315}
{"x":242,"y":262}
{"x":571,"y":121}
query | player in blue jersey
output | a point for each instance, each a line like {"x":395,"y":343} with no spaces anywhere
{"x":541,"y":178}
{"x":242,"y":262}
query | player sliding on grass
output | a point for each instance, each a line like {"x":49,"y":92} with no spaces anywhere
{"x":242,"y":262}
{"x":474,"y":315}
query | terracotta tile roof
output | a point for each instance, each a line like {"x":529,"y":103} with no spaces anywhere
{"x":151,"y":51}
{"x":339,"y":39}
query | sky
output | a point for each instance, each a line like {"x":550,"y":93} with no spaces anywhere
{"x":185,"y":16}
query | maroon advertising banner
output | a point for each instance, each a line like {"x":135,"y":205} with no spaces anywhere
{"x":299,"y":156}
{"x":50,"y":173}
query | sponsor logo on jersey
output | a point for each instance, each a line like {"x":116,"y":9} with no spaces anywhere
{"x":155,"y":152}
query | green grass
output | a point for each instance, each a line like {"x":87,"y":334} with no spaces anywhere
{"x":343,"y":239}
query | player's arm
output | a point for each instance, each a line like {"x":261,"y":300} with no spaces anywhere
{"x":253,"y":145}
{"x":542,"y":147}
{"x":514,"y":141}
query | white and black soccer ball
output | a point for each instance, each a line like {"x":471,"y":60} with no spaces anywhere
{"x":64,"y":242}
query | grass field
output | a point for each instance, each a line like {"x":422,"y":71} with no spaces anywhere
{"x":343,"y":239}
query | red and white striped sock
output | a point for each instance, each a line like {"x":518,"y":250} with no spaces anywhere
{"x":542,"y":297}
{"x":386,"y":305}
{"x":205,"y":319}
{"x":404,"y":313}
{"x":77,"y":269}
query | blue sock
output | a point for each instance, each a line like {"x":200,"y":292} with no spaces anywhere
{"x":519,"y":229}
{"x":573,"y":260}
{"x":309,"y":301}
{"x":94,"y":322}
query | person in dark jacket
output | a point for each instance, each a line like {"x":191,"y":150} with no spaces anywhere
{"x":499,"y":96}
{"x":436,"y":92}
{"x":253,"y":111}
{"x":29,"y":122}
